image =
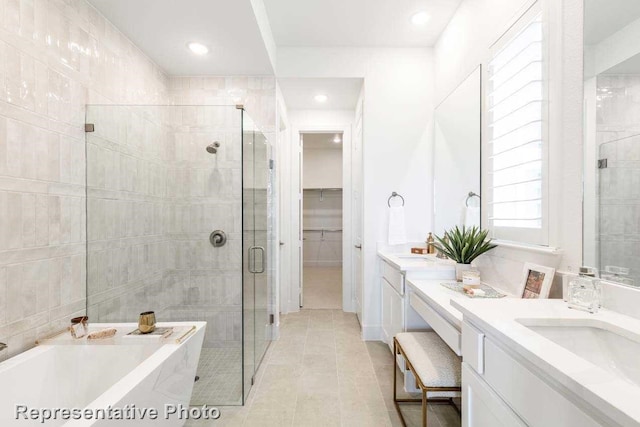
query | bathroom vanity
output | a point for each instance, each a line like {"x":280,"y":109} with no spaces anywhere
{"x":539,"y":363}
{"x":395,"y":272}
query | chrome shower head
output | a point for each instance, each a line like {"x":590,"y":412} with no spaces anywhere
{"x":213,"y":148}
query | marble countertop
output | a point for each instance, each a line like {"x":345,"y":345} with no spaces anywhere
{"x":415,"y":262}
{"x":441,"y":298}
{"x":615,"y":397}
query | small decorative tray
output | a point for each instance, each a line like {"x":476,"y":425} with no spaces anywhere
{"x":158,"y":332}
{"x":489,"y":292}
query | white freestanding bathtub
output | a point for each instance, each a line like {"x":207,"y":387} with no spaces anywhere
{"x":120,"y":381}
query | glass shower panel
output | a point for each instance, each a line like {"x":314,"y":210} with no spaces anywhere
{"x":256,"y":295}
{"x":262,"y":295}
{"x":160,"y":180}
{"x":249,"y":256}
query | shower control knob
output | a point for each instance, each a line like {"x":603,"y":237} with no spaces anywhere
{"x":218,"y":238}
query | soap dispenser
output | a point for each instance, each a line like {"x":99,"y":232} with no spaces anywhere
{"x":431,"y":244}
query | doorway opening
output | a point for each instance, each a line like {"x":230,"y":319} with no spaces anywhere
{"x":322,"y":219}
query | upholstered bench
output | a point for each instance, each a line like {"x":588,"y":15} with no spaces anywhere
{"x":435,"y":366}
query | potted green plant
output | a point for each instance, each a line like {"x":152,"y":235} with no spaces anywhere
{"x":463,"y":246}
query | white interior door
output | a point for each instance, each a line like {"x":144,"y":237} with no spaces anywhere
{"x":356,"y":211}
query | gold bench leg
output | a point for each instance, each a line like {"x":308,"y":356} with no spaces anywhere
{"x":424,"y":408}
{"x":424,"y":401}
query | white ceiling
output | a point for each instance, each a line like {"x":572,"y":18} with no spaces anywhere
{"x":299,"y":93}
{"x":630,"y":66}
{"x":357,"y":22}
{"x":316,"y":141}
{"x":602,"y":18}
{"x":162,"y":28}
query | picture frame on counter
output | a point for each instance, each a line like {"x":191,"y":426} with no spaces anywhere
{"x":536,"y":281}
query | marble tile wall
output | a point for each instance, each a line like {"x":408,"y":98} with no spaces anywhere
{"x":56,"y":56}
{"x":128,"y":159}
{"x":206,"y":195}
{"x":618,"y":138}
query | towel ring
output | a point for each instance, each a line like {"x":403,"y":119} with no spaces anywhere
{"x":471,"y":194}
{"x":394,"y":194}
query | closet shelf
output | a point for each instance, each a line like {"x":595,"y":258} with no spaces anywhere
{"x":322,"y":231}
{"x":322,"y":190}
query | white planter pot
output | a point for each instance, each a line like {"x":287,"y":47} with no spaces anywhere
{"x":461,"y":268}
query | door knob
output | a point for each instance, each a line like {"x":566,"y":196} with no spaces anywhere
{"x":358,"y":246}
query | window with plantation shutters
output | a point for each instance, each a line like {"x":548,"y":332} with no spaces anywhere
{"x":516,"y":143}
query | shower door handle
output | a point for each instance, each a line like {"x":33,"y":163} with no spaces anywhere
{"x":252,"y":267}
{"x":262,"y":259}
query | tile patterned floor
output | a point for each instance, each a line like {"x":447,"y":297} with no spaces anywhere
{"x":220,"y":372}
{"x":322,"y":287}
{"x":320,"y":373}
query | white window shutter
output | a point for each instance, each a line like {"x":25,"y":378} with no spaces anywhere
{"x":516,"y":128}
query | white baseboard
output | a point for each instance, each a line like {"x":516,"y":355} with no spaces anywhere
{"x":372,"y":332}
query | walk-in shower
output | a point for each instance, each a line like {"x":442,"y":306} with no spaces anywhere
{"x":172,"y":229}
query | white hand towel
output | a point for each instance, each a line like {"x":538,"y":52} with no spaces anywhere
{"x":472,"y":216}
{"x":397,"y":230}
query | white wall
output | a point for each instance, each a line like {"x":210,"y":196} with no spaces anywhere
{"x":398,"y":109}
{"x":464,"y":44}
{"x":287,"y":236}
{"x":322,"y":167}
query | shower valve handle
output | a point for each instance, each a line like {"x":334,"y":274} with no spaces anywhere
{"x":218,"y":238}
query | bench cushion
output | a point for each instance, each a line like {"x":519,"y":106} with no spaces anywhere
{"x":434,"y":362}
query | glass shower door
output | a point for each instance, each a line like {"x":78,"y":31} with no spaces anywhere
{"x":256,"y":314}
{"x":262,"y":316}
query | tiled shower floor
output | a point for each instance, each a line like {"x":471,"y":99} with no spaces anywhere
{"x":220,"y":372}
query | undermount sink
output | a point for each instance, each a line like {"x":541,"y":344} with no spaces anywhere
{"x":605,"y":345}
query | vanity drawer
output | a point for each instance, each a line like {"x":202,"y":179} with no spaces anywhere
{"x":394,"y":277}
{"x":507,"y":376}
{"x":473,"y":347}
{"x":447,"y":332}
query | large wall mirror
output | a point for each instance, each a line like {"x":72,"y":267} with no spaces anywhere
{"x":612,"y":139}
{"x":457,"y":157}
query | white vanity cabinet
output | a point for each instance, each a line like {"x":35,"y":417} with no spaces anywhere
{"x":498,"y":389}
{"x":394,"y":273}
{"x":392,"y":313}
{"x":393,"y":289}
{"x":481,"y":406}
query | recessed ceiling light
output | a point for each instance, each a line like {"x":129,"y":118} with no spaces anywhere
{"x":321,"y":98}
{"x":420,"y":18}
{"x":198,"y":48}
{"x":337,"y":139}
